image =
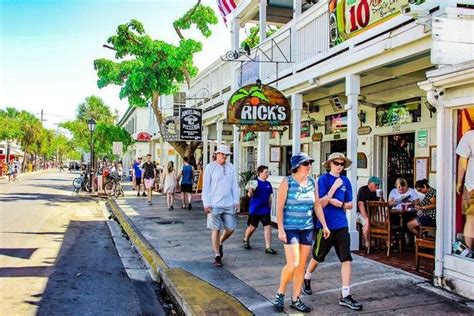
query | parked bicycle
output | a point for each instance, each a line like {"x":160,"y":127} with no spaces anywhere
{"x":113,"y":186}
{"x":81,"y":182}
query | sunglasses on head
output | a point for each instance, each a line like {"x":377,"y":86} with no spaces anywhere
{"x":306,"y":163}
{"x":338,"y":163}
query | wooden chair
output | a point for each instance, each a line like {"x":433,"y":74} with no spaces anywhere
{"x":425,"y":244}
{"x":381,"y":226}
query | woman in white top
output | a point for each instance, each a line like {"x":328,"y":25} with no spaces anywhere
{"x":169,"y":184}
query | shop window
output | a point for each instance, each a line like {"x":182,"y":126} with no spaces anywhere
{"x":397,"y":113}
{"x":179,"y":101}
{"x":336,"y":123}
{"x":464,"y":216}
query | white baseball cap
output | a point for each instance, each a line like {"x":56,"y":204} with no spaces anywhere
{"x":223,"y":149}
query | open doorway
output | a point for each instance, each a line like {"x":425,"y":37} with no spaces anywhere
{"x":400,"y":155}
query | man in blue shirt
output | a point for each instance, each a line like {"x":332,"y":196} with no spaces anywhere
{"x":137,"y":175}
{"x":259,"y":210}
{"x":335,"y":195}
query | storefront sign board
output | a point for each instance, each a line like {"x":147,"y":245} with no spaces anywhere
{"x":348,"y":18}
{"x":258,"y":108}
{"x":190,"y":124}
{"x":169,"y":128}
{"x":422,"y":138}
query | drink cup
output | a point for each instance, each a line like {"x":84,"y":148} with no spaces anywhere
{"x":404,"y":207}
{"x":379,"y":193}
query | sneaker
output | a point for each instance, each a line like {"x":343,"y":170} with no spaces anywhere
{"x":300,"y":306}
{"x":149,"y":202}
{"x":189,"y":206}
{"x":279,"y":303}
{"x":143,"y":194}
{"x":221,"y":251}
{"x":218,"y":261}
{"x":348,"y":301}
{"x":271,"y":251}
{"x":247,"y":244}
{"x":171,"y":207}
{"x":306,"y":289}
{"x":138,"y":194}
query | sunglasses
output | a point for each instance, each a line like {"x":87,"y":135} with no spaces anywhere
{"x":307,"y":163}
{"x":337,"y":164}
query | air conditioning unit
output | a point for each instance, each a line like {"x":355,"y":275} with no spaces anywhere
{"x":337,"y":102}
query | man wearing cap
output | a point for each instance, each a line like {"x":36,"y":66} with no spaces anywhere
{"x":220,"y":197}
{"x":137,"y":175}
{"x":366,"y":193}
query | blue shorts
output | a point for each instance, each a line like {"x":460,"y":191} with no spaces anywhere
{"x":299,"y":237}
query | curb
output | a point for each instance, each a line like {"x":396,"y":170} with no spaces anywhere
{"x":193,"y":295}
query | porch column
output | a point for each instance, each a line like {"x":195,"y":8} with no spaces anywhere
{"x":296,"y":107}
{"x":262,"y":137}
{"x":352,"y":93}
{"x":235,"y":29}
{"x":296,"y":8}
{"x":263,"y":20}
{"x":162,"y":152}
{"x":219,"y":129}
{"x":205,"y":147}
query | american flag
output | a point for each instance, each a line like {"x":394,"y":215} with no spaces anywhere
{"x":226,"y":7}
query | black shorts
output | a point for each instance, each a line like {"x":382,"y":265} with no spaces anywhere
{"x":254,"y":219}
{"x":339,"y":238}
{"x":138,"y":181}
{"x":188,"y":188}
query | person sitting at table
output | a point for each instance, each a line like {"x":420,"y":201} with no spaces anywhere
{"x":403,"y":195}
{"x":427,"y":206}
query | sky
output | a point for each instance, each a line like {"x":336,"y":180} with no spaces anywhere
{"x":47,"y":49}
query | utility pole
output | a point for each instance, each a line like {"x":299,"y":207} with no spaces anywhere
{"x":42,"y":117}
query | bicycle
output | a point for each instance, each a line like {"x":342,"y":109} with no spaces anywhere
{"x":113,"y":186}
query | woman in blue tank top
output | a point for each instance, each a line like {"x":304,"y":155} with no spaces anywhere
{"x":186,"y":176}
{"x":297,"y":200}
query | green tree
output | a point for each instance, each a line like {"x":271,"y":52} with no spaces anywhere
{"x":148,"y":68}
{"x":106,"y":132}
{"x":10,"y":125}
{"x":253,"y":39}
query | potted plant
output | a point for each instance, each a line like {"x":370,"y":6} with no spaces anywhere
{"x":245,"y":179}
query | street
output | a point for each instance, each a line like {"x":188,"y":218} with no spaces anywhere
{"x":57,"y":255}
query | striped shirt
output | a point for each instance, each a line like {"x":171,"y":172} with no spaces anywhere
{"x":298,"y":210}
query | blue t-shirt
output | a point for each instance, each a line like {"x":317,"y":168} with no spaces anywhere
{"x":138,"y":170}
{"x":335,"y":216}
{"x":259,"y":203}
{"x":187,"y":175}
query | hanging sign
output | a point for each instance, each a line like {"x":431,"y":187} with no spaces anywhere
{"x":190,"y":124}
{"x":142,"y":136}
{"x":348,"y":18}
{"x":305,"y":130}
{"x":169,"y":128}
{"x":258,"y":108}
{"x":317,"y":137}
{"x":364,"y":130}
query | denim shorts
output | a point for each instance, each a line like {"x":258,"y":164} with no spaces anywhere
{"x":299,"y":237}
{"x":221,"y":217}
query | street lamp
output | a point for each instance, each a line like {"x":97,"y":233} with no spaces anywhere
{"x":91,"y":125}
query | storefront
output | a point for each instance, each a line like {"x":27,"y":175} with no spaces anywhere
{"x":451,"y":90}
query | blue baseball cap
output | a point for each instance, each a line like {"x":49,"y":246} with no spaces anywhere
{"x":298,"y":159}
{"x":374,"y":180}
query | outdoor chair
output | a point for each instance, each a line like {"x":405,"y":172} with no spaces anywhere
{"x":425,"y":244}
{"x":381,"y":226}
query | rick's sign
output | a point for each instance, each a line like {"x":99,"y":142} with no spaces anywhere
{"x":258,"y":108}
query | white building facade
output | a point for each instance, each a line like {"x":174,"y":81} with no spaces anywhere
{"x":359,"y":96}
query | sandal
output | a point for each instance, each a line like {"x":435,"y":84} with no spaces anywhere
{"x":271,"y":251}
{"x":247,"y":244}
{"x":149,"y":202}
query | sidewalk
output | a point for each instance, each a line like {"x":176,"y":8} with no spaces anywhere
{"x":181,"y":239}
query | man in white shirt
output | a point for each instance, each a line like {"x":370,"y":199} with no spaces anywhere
{"x":465,"y":150}
{"x":220,"y":196}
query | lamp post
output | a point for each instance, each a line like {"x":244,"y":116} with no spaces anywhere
{"x":91,"y":125}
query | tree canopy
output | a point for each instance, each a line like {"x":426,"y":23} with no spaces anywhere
{"x":105,"y":133}
{"x":253,"y":39}
{"x":148,"y":68}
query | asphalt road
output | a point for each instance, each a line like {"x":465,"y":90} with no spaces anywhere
{"x":57,"y":256}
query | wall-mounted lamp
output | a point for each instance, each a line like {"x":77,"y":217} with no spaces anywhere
{"x":362,"y":117}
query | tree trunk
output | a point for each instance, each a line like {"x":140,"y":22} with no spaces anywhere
{"x":183,"y":149}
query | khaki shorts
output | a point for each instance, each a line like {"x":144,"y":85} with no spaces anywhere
{"x":468,"y":202}
{"x":222,"y":218}
{"x":361,"y":219}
